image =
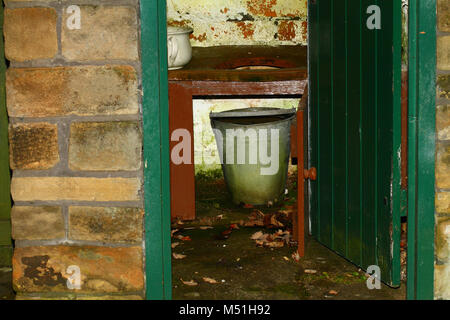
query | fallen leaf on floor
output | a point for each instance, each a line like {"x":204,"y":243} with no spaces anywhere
{"x":191,"y":283}
{"x":183,"y":238}
{"x":178,"y":256}
{"x":175,"y":244}
{"x":257,"y":235}
{"x":274,"y":244}
{"x":220,"y":217}
{"x":210,"y":280}
{"x":296,"y":256}
{"x":173,"y":232}
{"x":310,"y":271}
{"x":286,"y":258}
{"x":333,"y":292}
{"x":274,"y":222}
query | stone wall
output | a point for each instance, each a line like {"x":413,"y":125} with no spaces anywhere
{"x":442,"y":268}
{"x":75,"y":148}
{"x":241,"y":22}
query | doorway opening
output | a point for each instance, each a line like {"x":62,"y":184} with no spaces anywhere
{"x":196,"y":265}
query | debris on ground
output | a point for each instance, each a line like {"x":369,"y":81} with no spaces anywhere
{"x":190,"y":283}
{"x":210,"y":280}
{"x":224,"y":235}
{"x":296,"y":256}
{"x":333,"y":292}
{"x":276,"y":240}
{"x":183,"y":238}
{"x":175,"y":244}
{"x":279,"y":219}
{"x":178,"y":256}
{"x":310,"y":271}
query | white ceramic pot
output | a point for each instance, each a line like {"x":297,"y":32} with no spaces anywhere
{"x":179,"y":48}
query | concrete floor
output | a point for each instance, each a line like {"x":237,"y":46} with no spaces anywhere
{"x":246,"y":271}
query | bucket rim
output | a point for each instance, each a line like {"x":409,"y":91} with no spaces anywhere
{"x":252,"y":112}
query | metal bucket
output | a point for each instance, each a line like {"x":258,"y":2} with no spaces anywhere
{"x":264,"y":132}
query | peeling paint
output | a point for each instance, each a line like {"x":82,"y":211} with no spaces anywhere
{"x":241,"y":22}
{"x":286,"y":30}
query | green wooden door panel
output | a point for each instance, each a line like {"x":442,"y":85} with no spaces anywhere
{"x":5,"y":198}
{"x":355,"y":126}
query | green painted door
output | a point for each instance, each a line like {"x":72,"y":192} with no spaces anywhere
{"x":355,"y":132}
{"x":5,"y":199}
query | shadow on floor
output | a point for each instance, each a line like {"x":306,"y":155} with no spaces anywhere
{"x":245,"y":271}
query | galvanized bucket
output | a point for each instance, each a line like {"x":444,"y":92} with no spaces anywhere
{"x":264,"y":132}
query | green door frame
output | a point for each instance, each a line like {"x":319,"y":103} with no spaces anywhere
{"x":422,"y":91}
{"x":421,"y":144}
{"x":5,"y":198}
{"x":155,"y":109}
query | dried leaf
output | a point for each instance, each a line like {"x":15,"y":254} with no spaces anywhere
{"x":333,"y":292}
{"x":178,"y":256}
{"x":310,"y":271}
{"x":257,"y":235}
{"x":286,"y":258}
{"x":210,"y":280}
{"x":274,"y":244}
{"x":173,"y":232}
{"x":183,"y":238}
{"x":191,"y":283}
{"x":175,"y":244}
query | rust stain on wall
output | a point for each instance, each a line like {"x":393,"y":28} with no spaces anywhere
{"x":262,"y":7}
{"x":305,"y":30}
{"x":286,"y":30}
{"x":247,"y":29}
{"x":199,"y":38}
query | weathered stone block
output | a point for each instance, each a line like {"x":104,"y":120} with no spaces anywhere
{"x":30,"y":33}
{"x":443,"y":53}
{"x":37,"y":223}
{"x":443,"y":239}
{"x":33,"y":146}
{"x":105,"y":270}
{"x":443,"y":86}
{"x":443,"y":13}
{"x":443,"y":122}
{"x":105,"y":33}
{"x":106,"y":224}
{"x":442,"y":282}
{"x":443,"y":202}
{"x":109,"y":146}
{"x":75,"y":188}
{"x":86,"y":90}
{"x":443,"y":166}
